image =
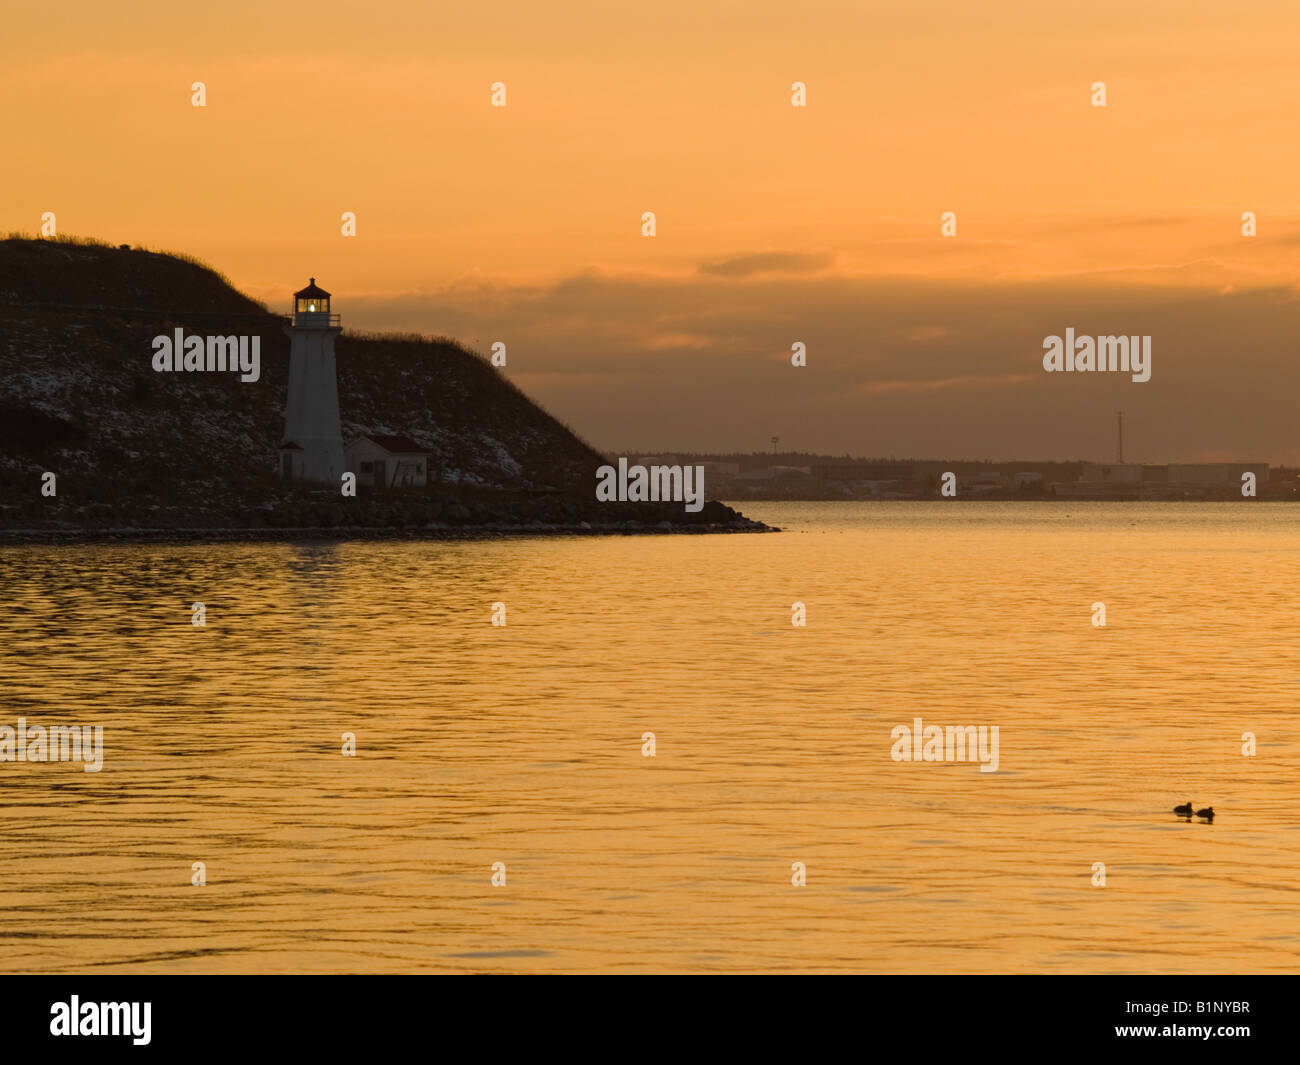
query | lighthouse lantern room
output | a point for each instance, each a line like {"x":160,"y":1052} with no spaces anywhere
{"x":312,"y":302}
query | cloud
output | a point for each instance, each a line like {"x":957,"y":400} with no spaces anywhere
{"x":907,"y":366}
{"x":964,"y":381}
{"x":770,"y":262}
{"x":667,"y":341}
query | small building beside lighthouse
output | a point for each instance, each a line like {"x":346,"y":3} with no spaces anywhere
{"x":382,"y":460}
{"x":312,"y":447}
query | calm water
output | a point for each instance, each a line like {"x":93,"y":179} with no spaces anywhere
{"x":522,"y":745}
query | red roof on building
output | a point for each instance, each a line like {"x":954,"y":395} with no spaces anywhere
{"x":396,"y":445}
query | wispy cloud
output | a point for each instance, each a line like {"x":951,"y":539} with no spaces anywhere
{"x":966,"y":382}
{"x":770,"y":262}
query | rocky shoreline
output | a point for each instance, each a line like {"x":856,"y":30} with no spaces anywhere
{"x":305,"y":514}
{"x":433,"y":531}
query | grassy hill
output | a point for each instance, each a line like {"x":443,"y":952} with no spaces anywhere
{"x":137,"y":449}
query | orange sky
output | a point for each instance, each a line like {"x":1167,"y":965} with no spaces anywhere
{"x":469,"y":215}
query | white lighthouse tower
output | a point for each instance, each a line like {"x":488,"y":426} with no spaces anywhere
{"x":313,"y":442}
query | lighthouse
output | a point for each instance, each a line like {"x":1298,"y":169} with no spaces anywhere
{"x":312,"y":449}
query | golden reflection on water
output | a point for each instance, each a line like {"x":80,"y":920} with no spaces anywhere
{"x":522,"y":745}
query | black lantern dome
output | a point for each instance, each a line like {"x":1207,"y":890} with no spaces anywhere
{"x":311,"y":300}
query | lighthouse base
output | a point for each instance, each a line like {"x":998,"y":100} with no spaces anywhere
{"x":319,"y":462}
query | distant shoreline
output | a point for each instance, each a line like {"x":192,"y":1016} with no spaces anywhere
{"x":494,"y":531}
{"x":988,"y":498}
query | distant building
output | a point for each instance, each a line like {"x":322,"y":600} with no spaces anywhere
{"x":383,"y":461}
{"x":1158,"y":481}
{"x":864,"y":471}
{"x":1216,"y":473}
{"x":773,"y":472}
{"x":1112,"y":473}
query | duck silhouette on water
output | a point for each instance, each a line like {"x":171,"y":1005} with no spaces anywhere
{"x":1207,"y":813}
{"x":1185,"y":810}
